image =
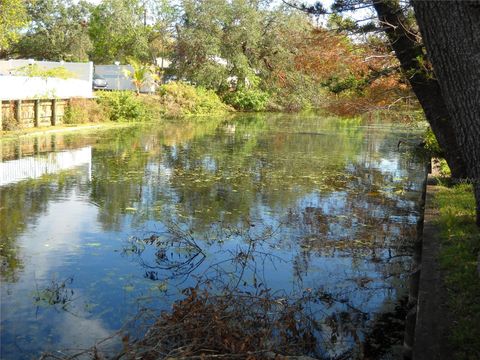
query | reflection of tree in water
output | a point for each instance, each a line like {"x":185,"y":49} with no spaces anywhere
{"x":331,"y":202}
{"x":231,"y":281}
{"x":223,"y":176}
{"x":220,"y":173}
{"x":210,"y":184}
{"x":373,"y":226}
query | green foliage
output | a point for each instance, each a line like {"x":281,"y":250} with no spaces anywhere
{"x":243,"y":40}
{"x":434,"y":151}
{"x":58,"y":31}
{"x":122,"y":105}
{"x":460,"y":248}
{"x":443,"y":168}
{"x":302,"y":94}
{"x":13,"y":17}
{"x":9,"y":123}
{"x":431,"y":143}
{"x":163,"y":15}
{"x":340,"y":23}
{"x":35,"y":70}
{"x":141,"y":74}
{"x":82,"y":111}
{"x":180,"y":99}
{"x":247,"y":99}
{"x":338,"y":85}
{"x":117,"y":32}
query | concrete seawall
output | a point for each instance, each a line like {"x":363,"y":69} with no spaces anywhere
{"x":32,"y":113}
{"x":428,"y":320}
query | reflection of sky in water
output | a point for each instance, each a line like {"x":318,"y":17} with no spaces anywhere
{"x":344,"y":203}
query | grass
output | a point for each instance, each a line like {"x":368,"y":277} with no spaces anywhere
{"x":459,"y":256}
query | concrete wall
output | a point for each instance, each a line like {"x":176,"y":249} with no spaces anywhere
{"x":23,"y":87}
{"x":117,"y":80}
{"x":31,"y":113}
{"x":82,"y":71}
{"x":14,"y":87}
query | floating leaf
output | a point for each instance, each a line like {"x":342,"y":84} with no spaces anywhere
{"x":129,"y":288}
{"x":93,"y":244}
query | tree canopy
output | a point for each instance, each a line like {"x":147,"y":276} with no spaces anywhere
{"x":262,"y":51}
{"x":13,"y":17}
{"x":58,"y":31}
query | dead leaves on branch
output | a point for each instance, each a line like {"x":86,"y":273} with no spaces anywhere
{"x":231,"y":325}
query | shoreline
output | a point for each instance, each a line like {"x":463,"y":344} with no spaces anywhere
{"x":25,"y":133}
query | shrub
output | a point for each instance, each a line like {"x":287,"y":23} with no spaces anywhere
{"x":35,"y":70}
{"x":288,"y":102}
{"x":431,"y":143}
{"x":247,"y":99}
{"x":82,"y":111}
{"x":122,"y":105}
{"x":180,"y":99}
{"x":10,"y":123}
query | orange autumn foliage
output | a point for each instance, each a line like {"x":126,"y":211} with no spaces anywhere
{"x":361,"y":77}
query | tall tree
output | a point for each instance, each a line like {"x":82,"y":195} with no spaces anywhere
{"x":160,"y":17}
{"x":239,"y":38}
{"x":455,"y":130}
{"x":451,"y":33}
{"x":13,"y":17}
{"x":58,"y":31}
{"x":403,"y":37}
{"x":118,"y":30}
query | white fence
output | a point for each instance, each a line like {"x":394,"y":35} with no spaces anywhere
{"x":14,"y":87}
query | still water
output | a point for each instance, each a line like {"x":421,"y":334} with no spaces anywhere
{"x":330,"y":205}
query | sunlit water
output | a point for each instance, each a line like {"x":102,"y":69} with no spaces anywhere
{"x":331,"y":206}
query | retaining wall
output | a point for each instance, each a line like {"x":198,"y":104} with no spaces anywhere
{"x":32,"y":113}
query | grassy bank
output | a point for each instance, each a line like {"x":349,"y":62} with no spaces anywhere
{"x":459,"y":254}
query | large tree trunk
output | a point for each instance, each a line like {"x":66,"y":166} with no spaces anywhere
{"x":451,"y":33}
{"x":410,"y":54}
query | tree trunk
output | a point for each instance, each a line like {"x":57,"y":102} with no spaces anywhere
{"x":451,"y":33}
{"x":410,"y":54}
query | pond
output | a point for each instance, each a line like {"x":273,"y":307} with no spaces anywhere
{"x":96,"y":226}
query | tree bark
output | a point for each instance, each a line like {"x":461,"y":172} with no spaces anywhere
{"x":410,"y":54}
{"x":451,"y":34}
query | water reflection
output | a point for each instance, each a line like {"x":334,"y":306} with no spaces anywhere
{"x":26,"y":168}
{"x":153,"y":209}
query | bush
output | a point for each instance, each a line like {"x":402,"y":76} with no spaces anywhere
{"x":122,"y":105}
{"x":180,"y":99}
{"x":289,"y":102}
{"x":431,"y":143}
{"x":10,"y":123}
{"x":82,"y":111}
{"x":247,"y":99}
{"x":37,"y":71}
